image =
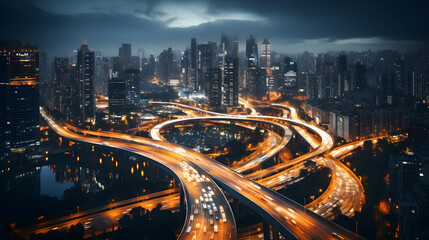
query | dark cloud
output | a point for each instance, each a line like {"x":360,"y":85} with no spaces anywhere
{"x":60,"y":26}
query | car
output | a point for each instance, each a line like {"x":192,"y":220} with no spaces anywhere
{"x":217,"y":217}
{"x":188,"y":229}
{"x":211,"y":221}
{"x":211,"y":212}
{"x":224,"y":220}
{"x":197,"y":226}
{"x":205,"y":229}
{"x":204,"y":205}
{"x":196,"y":211}
{"x":191,"y":217}
{"x":197,"y":201}
{"x":215,"y":229}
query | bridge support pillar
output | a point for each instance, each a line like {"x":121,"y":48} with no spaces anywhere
{"x":266,"y":228}
{"x":275,"y":234}
{"x":182,"y":200}
{"x":235,"y":207}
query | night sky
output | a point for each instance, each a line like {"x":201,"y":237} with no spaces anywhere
{"x":59,"y":26}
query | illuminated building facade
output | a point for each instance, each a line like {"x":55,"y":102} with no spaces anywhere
{"x":19,"y":97}
{"x":85,"y":75}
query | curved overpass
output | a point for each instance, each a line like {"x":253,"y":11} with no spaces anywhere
{"x":244,"y":166}
{"x":173,"y":159}
{"x":289,"y":217}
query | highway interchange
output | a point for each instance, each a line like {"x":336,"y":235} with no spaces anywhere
{"x":197,"y":172}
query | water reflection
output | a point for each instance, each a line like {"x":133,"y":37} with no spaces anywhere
{"x":50,"y":186}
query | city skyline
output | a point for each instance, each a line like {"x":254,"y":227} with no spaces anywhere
{"x":237,"y":120}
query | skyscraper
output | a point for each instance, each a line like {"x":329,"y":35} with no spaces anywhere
{"x":85,"y":77}
{"x":63,"y":78}
{"x":207,"y":59}
{"x":290,"y":73}
{"x":193,"y":64}
{"x":117,"y":94}
{"x":19,"y":97}
{"x":125,"y":55}
{"x":214,"y":89}
{"x":265,"y":55}
{"x":230,"y":81}
{"x":132,"y":88}
{"x":252,"y":66}
{"x":165,"y":65}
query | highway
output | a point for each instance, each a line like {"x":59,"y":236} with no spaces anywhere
{"x":196,"y":184}
{"x":287,"y":216}
{"x":267,"y":152}
{"x":105,"y":216}
{"x":344,"y":191}
{"x":266,"y":200}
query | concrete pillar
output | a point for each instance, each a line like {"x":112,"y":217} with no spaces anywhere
{"x":275,"y":234}
{"x":182,"y":200}
{"x":235,"y":207}
{"x":266,"y":229}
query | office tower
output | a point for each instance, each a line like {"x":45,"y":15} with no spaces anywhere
{"x":85,"y":77}
{"x":125,"y":55}
{"x":265,"y":55}
{"x":132,"y":88}
{"x":261,"y":83}
{"x":206,"y":59}
{"x":251,"y":65}
{"x":277,"y":76}
{"x":230,"y":81}
{"x":19,"y":97}
{"x":100,"y":80}
{"x":214,"y":93}
{"x":290,"y":73}
{"x":63,"y":78}
{"x":193,"y":64}
{"x":359,"y":76}
{"x":117,"y":96}
{"x":235,"y":48}
{"x":140,"y":54}
{"x":184,"y":67}
{"x":165,"y":65}
{"x":342,"y":74}
{"x":326,"y":80}
{"x":151,"y":67}
{"x":342,"y":63}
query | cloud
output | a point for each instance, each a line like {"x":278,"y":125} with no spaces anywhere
{"x":59,"y":26}
{"x":176,"y":15}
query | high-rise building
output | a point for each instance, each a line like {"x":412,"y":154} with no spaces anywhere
{"x":206,"y":60}
{"x":132,"y":88}
{"x":63,"y":77}
{"x":290,"y":73}
{"x":214,"y":89}
{"x":19,"y":97}
{"x":265,"y":55}
{"x":165,"y":65}
{"x":117,"y":96}
{"x":193,"y":64}
{"x":85,"y":77}
{"x":125,"y":55}
{"x":230,"y":81}
{"x":184,"y":67}
{"x":251,"y":64}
